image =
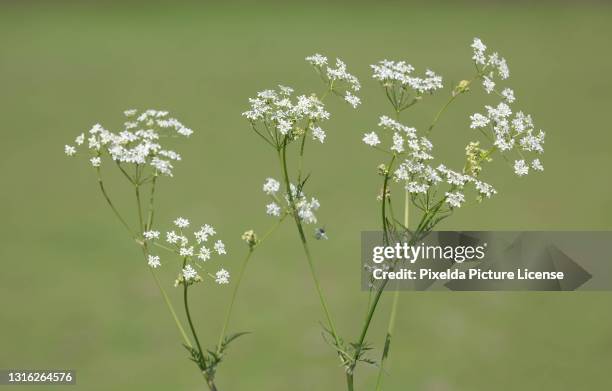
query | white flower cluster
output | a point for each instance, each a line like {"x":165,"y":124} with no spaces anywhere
{"x":416,"y":172}
{"x":137,"y":143}
{"x":305,"y":206}
{"x":510,"y":131}
{"x":277,"y":113}
{"x":399,"y":73}
{"x":337,"y":78}
{"x":491,"y":64}
{"x":184,"y":249}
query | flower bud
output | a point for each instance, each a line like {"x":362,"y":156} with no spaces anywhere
{"x":382,"y":170}
{"x":250,"y":238}
{"x":463,"y":86}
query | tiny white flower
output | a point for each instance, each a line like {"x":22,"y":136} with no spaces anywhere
{"x":272,"y":209}
{"x":95,"y":161}
{"x":537,"y":165}
{"x":172,"y":237}
{"x":284,"y":126}
{"x":416,"y":188}
{"x":153,"y":261}
{"x":508,"y":94}
{"x":186,"y":251}
{"x":271,"y":186}
{"x":485,"y":189}
{"x":318,"y":134}
{"x":478,"y":121}
{"x":488,"y":84}
{"x":521,"y":168}
{"x":69,"y":150}
{"x":317,"y":60}
{"x":398,"y":143}
{"x":149,"y":235}
{"x":371,"y":139}
{"x":163,"y":166}
{"x":502,"y":69}
{"x":189,"y":273}
{"x":204,"y":232}
{"x":80,"y":139}
{"x":184,"y":131}
{"x":454,"y":199}
{"x":478,"y":45}
{"x":352,"y":99}
{"x":181,"y":222}
{"x":220,"y":247}
{"x":222,"y":277}
{"x":204,"y":254}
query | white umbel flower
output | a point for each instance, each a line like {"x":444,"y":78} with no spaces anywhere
{"x":153,"y":261}
{"x":508,"y":95}
{"x":454,"y":199}
{"x":479,"y":51}
{"x":204,"y":254}
{"x":181,"y":222}
{"x":371,"y":139}
{"x":488,"y":84}
{"x":80,"y":139}
{"x":222,"y":277}
{"x":150,"y":235}
{"x":537,"y":165}
{"x":521,"y":168}
{"x":478,"y":121}
{"x":220,"y":247}
{"x":204,"y":232}
{"x":186,"y":251}
{"x":318,"y":134}
{"x":69,"y":150}
{"x":271,"y":186}
{"x":137,"y":143}
{"x":95,"y":161}
{"x":172,"y":237}
{"x":317,"y":60}
{"x":189,"y":273}
{"x":399,"y":73}
{"x":272,"y":209}
{"x":352,"y":99}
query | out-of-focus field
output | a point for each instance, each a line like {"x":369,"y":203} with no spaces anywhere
{"x":76,"y":294}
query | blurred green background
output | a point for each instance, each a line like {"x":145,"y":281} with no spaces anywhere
{"x":76,"y":294}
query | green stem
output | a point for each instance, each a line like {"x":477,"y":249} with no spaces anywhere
{"x":388,"y":337}
{"x":125,"y":174}
{"x":189,"y":321}
{"x":349,"y":382}
{"x":140,"y":219}
{"x":384,"y":198}
{"x":112,"y":206}
{"x":391,"y":325}
{"x":238,"y":281}
{"x":305,"y":247}
{"x":171,"y":308}
{"x":301,"y":159}
{"x":228,"y":314}
{"x":209,"y":378}
{"x":440,"y":112}
{"x":151,"y":213}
